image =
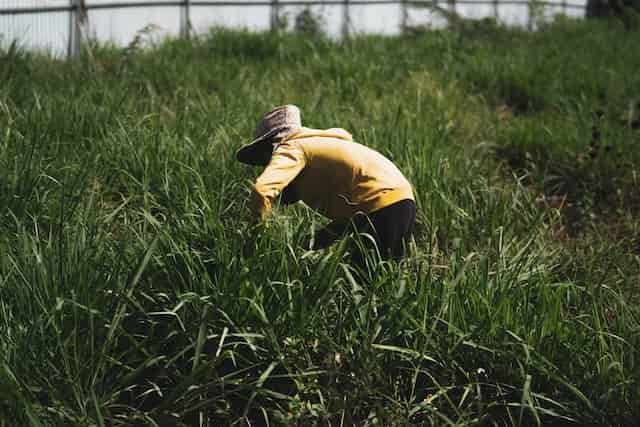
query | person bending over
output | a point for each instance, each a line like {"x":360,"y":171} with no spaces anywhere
{"x":347,"y":182}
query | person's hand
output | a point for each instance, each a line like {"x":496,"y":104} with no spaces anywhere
{"x":325,"y":237}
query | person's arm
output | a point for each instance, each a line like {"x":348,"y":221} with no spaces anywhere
{"x":286,"y":163}
{"x":289,"y":195}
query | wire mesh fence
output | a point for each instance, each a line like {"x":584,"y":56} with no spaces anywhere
{"x":48,"y":30}
{"x":59,"y":26}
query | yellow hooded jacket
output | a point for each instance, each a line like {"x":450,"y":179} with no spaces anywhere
{"x":331,"y":174}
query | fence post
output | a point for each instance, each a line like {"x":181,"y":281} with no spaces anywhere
{"x":75,"y":33}
{"x":564,"y":7}
{"x":346,"y":20}
{"x":452,"y":19}
{"x":404,"y":17}
{"x":530,"y":21}
{"x":275,"y":16}
{"x":496,"y":10}
{"x":185,"y":22}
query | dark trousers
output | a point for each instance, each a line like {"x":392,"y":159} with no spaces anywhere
{"x":391,"y":227}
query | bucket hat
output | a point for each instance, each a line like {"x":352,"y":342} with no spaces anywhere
{"x":278,"y":123}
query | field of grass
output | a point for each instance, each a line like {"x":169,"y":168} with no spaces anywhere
{"x":133,"y":290}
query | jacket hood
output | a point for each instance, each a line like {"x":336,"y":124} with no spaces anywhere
{"x":337,"y":133}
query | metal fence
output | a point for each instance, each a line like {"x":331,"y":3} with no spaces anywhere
{"x":77,"y":12}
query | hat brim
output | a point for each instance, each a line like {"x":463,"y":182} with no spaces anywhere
{"x":255,"y":154}
{"x":258,"y":152}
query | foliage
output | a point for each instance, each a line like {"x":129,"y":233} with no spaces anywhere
{"x":627,"y":11}
{"x":134,"y":292}
{"x":309,"y":23}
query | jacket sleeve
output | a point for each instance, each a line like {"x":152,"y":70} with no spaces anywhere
{"x":286,"y":163}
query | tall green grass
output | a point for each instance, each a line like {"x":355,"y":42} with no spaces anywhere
{"x":133,"y":290}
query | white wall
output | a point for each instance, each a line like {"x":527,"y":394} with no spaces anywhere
{"x":50,"y":31}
